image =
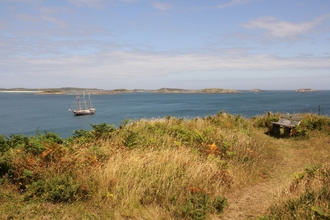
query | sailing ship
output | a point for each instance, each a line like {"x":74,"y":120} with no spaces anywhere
{"x":84,"y":107}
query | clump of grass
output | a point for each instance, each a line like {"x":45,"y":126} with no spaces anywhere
{"x":316,"y":122}
{"x":265,"y":120}
{"x":166,"y":178}
{"x":308,"y":197}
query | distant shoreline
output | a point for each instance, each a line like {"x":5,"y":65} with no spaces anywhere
{"x":94,"y":91}
{"x":21,"y":91}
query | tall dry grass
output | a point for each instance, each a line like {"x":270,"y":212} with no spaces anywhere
{"x":308,"y":196}
{"x":136,"y":179}
{"x":169,"y":168}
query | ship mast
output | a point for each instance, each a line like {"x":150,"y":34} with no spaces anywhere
{"x":89,"y":101}
{"x":78,"y":103}
{"x":85,"y":102}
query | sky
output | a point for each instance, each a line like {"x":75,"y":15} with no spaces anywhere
{"x":151,"y":44}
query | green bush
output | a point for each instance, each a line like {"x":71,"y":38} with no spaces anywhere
{"x":4,"y":146}
{"x":219,"y":203}
{"x":6,"y":166}
{"x":199,"y":205}
{"x":35,"y":145}
{"x":264,"y":121}
{"x":102,"y":131}
{"x":316,"y":122}
{"x":196,"y":207}
{"x":55,"y":189}
{"x":17,"y":141}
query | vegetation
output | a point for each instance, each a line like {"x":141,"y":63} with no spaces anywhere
{"x":52,"y":91}
{"x":121,"y":90}
{"x":309,"y":196}
{"x":216,"y":90}
{"x":169,"y":168}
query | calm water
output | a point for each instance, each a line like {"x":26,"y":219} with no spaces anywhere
{"x":26,"y":112}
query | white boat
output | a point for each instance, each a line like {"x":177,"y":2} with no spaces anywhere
{"x":84,"y":107}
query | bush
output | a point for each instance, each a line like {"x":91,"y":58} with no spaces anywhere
{"x":55,"y":189}
{"x":199,"y":205}
{"x":4,"y":146}
{"x":316,"y":122}
{"x":102,"y":131}
{"x":264,"y":121}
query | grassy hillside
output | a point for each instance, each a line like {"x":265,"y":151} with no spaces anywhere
{"x":216,"y":167}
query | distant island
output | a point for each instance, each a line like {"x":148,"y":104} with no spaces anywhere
{"x":257,"y":90}
{"x":209,"y":90}
{"x":306,"y":90}
{"x":94,"y":91}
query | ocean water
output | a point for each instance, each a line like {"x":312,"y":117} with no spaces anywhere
{"x":25,"y":113}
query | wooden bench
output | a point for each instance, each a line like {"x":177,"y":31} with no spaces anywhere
{"x":287,"y":122}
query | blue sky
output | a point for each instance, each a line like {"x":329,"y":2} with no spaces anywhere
{"x":150,"y":44}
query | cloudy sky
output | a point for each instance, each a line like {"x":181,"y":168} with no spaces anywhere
{"x":150,"y":44}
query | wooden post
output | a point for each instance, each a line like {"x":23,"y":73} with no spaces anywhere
{"x":319,"y":109}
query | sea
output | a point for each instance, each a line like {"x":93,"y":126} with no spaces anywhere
{"x":29,"y":113}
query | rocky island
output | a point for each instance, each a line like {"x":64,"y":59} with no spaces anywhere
{"x":208,"y":90}
{"x":306,"y":90}
{"x":257,"y":90}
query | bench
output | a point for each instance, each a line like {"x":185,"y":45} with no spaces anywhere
{"x":287,"y":122}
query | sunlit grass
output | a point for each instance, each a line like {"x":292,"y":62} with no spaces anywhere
{"x":168,"y":168}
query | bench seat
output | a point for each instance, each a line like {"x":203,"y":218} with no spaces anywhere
{"x":288,"y":122}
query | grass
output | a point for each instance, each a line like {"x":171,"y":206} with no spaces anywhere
{"x":168,"y":168}
{"x":308,"y":196}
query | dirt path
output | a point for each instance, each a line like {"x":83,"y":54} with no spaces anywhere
{"x":253,"y":201}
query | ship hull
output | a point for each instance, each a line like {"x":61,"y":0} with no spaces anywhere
{"x":84,"y":112}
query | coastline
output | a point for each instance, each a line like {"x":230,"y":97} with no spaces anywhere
{"x":21,"y":91}
{"x":66,"y":91}
{"x":94,"y":91}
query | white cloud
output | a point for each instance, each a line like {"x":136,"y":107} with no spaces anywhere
{"x":281,"y":29}
{"x":120,"y":64}
{"x":129,"y":1}
{"x":24,"y":1}
{"x":235,"y":2}
{"x":98,"y":3}
{"x":88,"y":3}
{"x":152,"y":70}
{"x":161,"y":6}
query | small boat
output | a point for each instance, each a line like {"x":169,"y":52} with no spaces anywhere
{"x":83,"y":107}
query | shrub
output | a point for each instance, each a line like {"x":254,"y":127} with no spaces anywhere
{"x":196,"y":207}
{"x":4,"y":146}
{"x":199,"y":204}
{"x":102,"y":131}
{"x":316,"y":122}
{"x":6,"y":166}
{"x":264,"y":121}
{"x":55,"y":189}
